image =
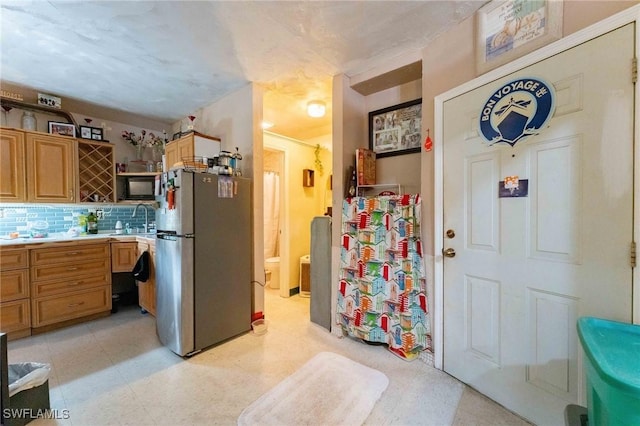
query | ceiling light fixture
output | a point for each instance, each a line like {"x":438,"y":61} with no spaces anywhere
{"x":266,"y":125}
{"x":316,"y":109}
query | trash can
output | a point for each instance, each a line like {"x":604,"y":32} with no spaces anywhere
{"x":28,"y":391}
{"x":612,"y":364}
{"x":115,"y":301}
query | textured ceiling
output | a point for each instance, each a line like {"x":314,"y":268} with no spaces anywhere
{"x":165,"y":59}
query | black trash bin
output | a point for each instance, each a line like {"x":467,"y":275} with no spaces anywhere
{"x":25,"y":389}
{"x":115,"y":301}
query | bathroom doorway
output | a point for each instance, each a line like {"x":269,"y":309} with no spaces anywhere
{"x":275,"y":242}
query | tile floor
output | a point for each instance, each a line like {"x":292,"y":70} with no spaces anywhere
{"x":113,"y":371}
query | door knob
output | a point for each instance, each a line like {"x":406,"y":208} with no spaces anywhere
{"x":449,"y":252}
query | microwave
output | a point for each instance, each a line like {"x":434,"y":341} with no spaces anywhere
{"x":139,"y":188}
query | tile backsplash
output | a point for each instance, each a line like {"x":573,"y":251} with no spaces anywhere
{"x":16,"y":217}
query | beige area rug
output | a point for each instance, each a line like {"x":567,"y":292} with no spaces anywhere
{"x":328,"y":390}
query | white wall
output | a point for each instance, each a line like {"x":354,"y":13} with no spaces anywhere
{"x":401,"y":169}
{"x":348,"y":134}
{"x":236,"y":119}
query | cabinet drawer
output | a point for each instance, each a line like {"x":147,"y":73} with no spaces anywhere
{"x":53,"y":309}
{"x":15,"y":285}
{"x":52,"y":288}
{"x":70,"y":270}
{"x":13,"y":259}
{"x":15,"y":316}
{"x":75,"y":254}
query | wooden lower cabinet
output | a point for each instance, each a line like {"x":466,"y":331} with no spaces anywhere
{"x":69,"y":282}
{"x":147,"y":290}
{"x":15,"y":318}
{"x":15,"y":314}
{"x":123,"y":256}
{"x":54,"y":309}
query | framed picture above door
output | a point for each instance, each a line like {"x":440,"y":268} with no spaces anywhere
{"x":506,"y":30}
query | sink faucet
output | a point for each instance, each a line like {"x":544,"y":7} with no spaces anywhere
{"x":146,"y":215}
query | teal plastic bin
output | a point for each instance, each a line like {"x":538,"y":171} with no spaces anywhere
{"x":612,"y":363}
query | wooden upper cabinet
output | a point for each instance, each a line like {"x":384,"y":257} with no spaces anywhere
{"x":171,"y":154}
{"x":190,"y":145}
{"x":178,"y":150}
{"x":50,"y":171}
{"x":185,"y":149}
{"x":12,"y":166}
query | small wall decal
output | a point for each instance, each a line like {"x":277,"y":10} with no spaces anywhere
{"x":513,"y":187}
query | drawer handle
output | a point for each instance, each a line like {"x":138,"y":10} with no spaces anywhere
{"x":74,"y":284}
{"x":73,"y":253}
{"x":72,"y":268}
{"x":73,"y":305}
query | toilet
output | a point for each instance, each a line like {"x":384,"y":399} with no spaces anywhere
{"x":272,"y":265}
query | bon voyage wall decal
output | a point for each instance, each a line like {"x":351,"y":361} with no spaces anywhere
{"x":516,"y":110}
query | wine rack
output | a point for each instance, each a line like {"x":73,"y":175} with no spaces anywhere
{"x":96,"y":172}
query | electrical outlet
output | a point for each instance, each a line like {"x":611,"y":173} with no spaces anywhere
{"x":100,"y":214}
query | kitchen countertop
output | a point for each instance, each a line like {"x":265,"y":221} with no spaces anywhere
{"x":64,"y":237}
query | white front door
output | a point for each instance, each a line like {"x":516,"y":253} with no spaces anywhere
{"x":525,"y":269}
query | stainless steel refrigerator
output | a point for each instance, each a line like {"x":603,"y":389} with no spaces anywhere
{"x":204,"y":260}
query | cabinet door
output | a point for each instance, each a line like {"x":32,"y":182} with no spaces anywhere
{"x":171,"y":154}
{"x":12,"y":173}
{"x":15,"y":285}
{"x":50,"y":168}
{"x":147,"y":290}
{"x":151,"y":288}
{"x":185,"y":148}
{"x":123,"y":256}
{"x":15,"y":316}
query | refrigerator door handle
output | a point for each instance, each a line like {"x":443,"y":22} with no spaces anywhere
{"x":172,"y":236}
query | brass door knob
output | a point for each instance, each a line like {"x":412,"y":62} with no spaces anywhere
{"x":449,"y":252}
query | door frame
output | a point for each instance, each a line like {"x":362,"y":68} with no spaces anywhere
{"x":283,"y":240}
{"x":631,"y":15}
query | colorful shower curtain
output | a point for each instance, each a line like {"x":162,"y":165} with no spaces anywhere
{"x":382,"y":287}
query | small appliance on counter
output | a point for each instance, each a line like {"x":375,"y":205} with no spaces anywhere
{"x":39,"y":229}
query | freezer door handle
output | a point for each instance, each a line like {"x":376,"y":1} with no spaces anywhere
{"x":172,"y":236}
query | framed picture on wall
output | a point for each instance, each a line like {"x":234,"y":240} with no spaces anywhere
{"x":62,"y":129}
{"x":94,"y":133}
{"x":506,"y":30}
{"x":396,"y":130}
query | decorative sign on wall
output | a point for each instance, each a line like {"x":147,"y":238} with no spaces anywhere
{"x":518,"y":109}
{"x":11,"y":95}
{"x":508,"y":29}
{"x":49,"y":100}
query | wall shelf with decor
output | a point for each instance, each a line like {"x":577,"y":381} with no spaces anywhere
{"x":96,"y":172}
